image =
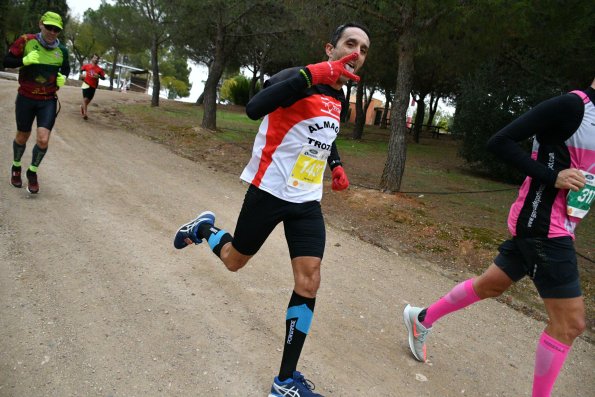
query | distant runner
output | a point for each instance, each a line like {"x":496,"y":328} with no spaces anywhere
{"x":92,"y":73}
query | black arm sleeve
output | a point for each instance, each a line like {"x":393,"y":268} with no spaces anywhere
{"x":65,"y":68}
{"x":10,"y":61}
{"x":551,"y":122}
{"x":280,"y":90}
{"x":333,"y":159}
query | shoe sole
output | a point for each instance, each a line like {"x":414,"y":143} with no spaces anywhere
{"x":201,"y":215}
{"x":406,"y":319}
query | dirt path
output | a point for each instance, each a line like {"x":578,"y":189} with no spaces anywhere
{"x":95,"y":301}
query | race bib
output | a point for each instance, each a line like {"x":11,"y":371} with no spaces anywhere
{"x":308,"y":169}
{"x":579,"y":203}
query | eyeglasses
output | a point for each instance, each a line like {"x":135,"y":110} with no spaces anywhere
{"x":52,"y":28}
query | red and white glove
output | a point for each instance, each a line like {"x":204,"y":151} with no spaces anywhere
{"x":340,"y":181}
{"x":330,"y":72}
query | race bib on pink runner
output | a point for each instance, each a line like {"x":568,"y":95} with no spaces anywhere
{"x":579,"y":203}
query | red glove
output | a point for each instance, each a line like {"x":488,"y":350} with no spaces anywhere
{"x":330,"y":72}
{"x":340,"y":181}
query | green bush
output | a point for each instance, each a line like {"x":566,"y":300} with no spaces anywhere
{"x":175,"y":88}
{"x":236,"y":90}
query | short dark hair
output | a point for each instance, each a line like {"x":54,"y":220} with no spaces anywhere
{"x":336,"y":36}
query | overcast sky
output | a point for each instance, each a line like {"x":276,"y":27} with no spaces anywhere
{"x":78,"y":7}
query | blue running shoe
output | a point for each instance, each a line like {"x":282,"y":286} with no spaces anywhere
{"x":298,"y":386}
{"x":187,"y":233}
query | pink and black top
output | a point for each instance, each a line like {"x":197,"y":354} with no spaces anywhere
{"x":564,"y":137}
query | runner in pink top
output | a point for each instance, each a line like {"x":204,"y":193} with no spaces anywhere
{"x":557,"y":193}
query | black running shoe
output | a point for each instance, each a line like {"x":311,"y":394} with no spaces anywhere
{"x":33,"y":185}
{"x":15,"y":177}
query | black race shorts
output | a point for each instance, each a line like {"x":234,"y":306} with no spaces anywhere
{"x":27,"y":109}
{"x":261,"y":212}
{"x":549,"y":262}
{"x":89,"y":93}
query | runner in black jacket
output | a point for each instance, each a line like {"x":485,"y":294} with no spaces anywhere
{"x":301,"y":110}
{"x":555,"y":196}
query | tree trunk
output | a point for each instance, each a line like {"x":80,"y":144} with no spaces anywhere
{"x":419,"y":116}
{"x":155,"y":67}
{"x":113,"y":72}
{"x":201,"y":99}
{"x":384,"y":120}
{"x":209,"y":119}
{"x":397,"y":145}
{"x":257,"y":75}
{"x":433,"y":108}
{"x":253,"y":82}
{"x":345,"y":114}
{"x":81,"y":61}
{"x":369,"y":99}
{"x":360,"y":117}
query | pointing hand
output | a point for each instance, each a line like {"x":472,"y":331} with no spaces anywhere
{"x":331,"y":71}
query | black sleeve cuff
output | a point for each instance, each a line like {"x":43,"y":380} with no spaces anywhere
{"x":334,"y":163}
{"x":553,"y":176}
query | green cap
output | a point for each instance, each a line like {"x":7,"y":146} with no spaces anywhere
{"x":51,"y":18}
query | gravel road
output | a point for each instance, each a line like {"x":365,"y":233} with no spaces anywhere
{"x":95,"y":301}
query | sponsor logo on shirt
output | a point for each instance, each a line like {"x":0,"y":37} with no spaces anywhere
{"x":330,"y":107}
{"x":539,"y":194}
